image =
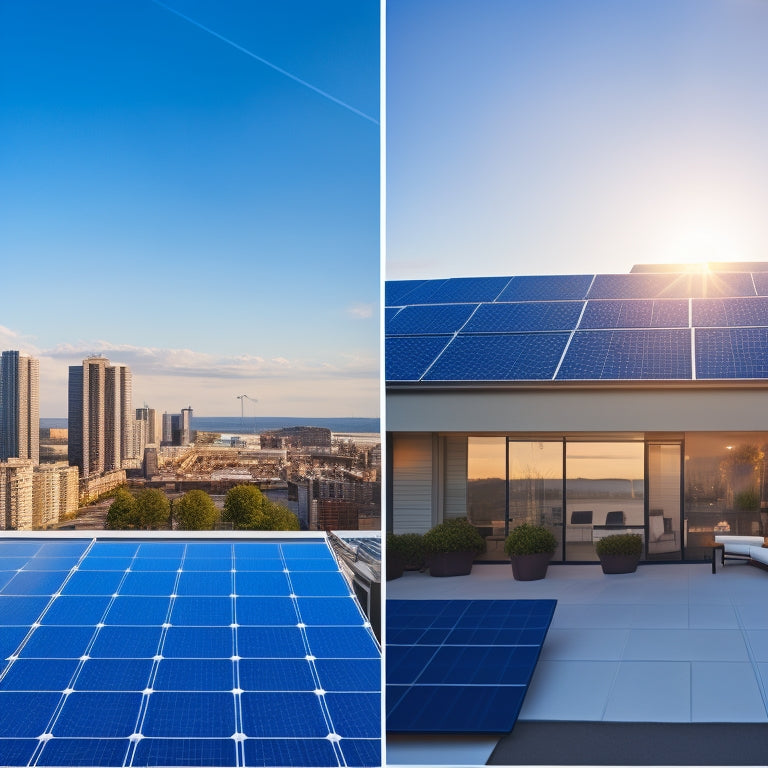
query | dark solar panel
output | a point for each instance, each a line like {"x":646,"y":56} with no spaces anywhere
{"x":420,"y":293}
{"x":525,"y":316}
{"x":500,"y":357}
{"x":468,"y":289}
{"x":635,"y":354}
{"x":638,"y":285}
{"x":428,"y":320}
{"x":119,"y":666}
{"x":408,"y":357}
{"x":730,"y":313}
{"x":547,"y":288}
{"x":635,"y":313}
{"x":731,"y":353}
{"x":396,"y":291}
{"x":461,"y":665}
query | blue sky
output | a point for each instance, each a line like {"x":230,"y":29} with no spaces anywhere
{"x":572,"y":136}
{"x":172,"y":202}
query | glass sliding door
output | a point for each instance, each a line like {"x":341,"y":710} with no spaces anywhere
{"x":605,"y":494}
{"x":664,"y":496}
{"x":487,"y":492}
{"x":536,"y":486}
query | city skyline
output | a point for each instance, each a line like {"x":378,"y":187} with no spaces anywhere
{"x":193,"y":191}
{"x":574,"y":137}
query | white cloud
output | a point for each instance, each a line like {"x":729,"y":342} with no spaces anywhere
{"x":361,"y":311}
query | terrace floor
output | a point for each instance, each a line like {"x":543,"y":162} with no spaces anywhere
{"x":671,"y":643}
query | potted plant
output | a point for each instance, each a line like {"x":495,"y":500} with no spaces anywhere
{"x":451,"y":547}
{"x":530,"y":548}
{"x":620,"y":552}
{"x":405,"y":552}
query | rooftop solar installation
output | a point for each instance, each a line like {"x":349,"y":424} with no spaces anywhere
{"x":185,"y":652}
{"x":432,"y":319}
{"x":547,"y":288}
{"x":396,"y":291}
{"x":730,"y":313}
{"x":461,"y":666}
{"x":731,"y":353}
{"x":635,"y":313}
{"x":408,"y":357}
{"x":628,"y":355}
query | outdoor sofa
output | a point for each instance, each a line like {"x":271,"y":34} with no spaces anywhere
{"x":748,"y":548}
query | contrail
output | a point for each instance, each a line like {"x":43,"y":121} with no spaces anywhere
{"x":267,"y":63}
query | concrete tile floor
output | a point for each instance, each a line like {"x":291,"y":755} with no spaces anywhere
{"x":669,"y":643}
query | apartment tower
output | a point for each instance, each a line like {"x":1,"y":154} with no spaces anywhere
{"x":100,"y":416}
{"x":19,"y":407}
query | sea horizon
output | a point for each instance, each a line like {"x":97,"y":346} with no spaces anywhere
{"x":261,"y":423}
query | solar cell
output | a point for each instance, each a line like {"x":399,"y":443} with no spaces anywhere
{"x":546,"y":288}
{"x":468,"y":686}
{"x":395,"y":291}
{"x":460,"y":289}
{"x":100,"y":677}
{"x":434,"y":319}
{"x":499,"y":357}
{"x":418,"y":294}
{"x":628,"y":354}
{"x":408,"y":357}
{"x":635,"y":313}
{"x":731,"y":353}
{"x":525,"y":316}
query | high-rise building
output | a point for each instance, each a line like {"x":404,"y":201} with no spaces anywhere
{"x":100,"y":416}
{"x":177,"y":427}
{"x":19,"y":407}
{"x":16,"y":496}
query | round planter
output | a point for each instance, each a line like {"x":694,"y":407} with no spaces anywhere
{"x":619,"y":563}
{"x":530,"y":567}
{"x":395,"y":565}
{"x":451,"y":563}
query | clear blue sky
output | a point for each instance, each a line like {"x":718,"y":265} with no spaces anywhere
{"x":171,"y":201}
{"x":572,"y":136}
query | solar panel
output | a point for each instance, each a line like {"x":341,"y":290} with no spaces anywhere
{"x":525,"y":316}
{"x":672,"y":285}
{"x":420,"y":292}
{"x":202,"y":664}
{"x":635,"y":313}
{"x":633,"y":354}
{"x":433,"y":319}
{"x":730,"y":313}
{"x":395,"y":291}
{"x":468,"y":289}
{"x":499,"y":357}
{"x":731,"y":353}
{"x":547,"y":288}
{"x":461,"y":665}
{"x":408,"y":357}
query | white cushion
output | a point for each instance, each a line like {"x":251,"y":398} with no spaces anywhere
{"x":739,"y":545}
{"x":759,"y":553}
{"x":655,"y":527}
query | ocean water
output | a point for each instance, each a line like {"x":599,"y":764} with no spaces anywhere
{"x":258,"y":424}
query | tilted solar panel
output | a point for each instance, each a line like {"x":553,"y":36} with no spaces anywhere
{"x":730,"y":313}
{"x":461,"y":665}
{"x":396,"y":291}
{"x":469,"y":289}
{"x":228,"y":654}
{"x":547,"y":288}
{"x":635,"y":313}
{"x":408,"y":357}
{"x":525,"y":316}
{"x":499,"y":357}
{"x":432,"y":319}
{"x":418,"y":294}
{"x":633,"y":355}
{"x":731,"y":353}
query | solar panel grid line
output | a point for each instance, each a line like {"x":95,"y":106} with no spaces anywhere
{"x":693,"y":354}
{"x":570,"y":339}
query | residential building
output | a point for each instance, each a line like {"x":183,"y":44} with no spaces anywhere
{"x":19,"y":406}
{"x":16,"y":494}
{"x":100,"y":416}
{"x":55,"y":494}
{"x":591,"y":404}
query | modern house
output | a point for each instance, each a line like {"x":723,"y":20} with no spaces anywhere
{"x":588,"y":403}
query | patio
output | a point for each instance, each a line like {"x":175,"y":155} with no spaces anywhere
{"x":671,"y":643}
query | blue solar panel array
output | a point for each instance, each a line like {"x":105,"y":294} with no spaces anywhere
{"x":461,"y":666}
{"x":633,"y":327}
{"x":204,"y":653}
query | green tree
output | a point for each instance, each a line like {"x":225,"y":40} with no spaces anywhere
{"x":153,"y":507}
{"x":195,"y":511}
{"x":122,"y":514}
{"x":246,"y":507}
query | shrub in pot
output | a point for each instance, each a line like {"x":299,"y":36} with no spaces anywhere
{"x":530,"y":548}
{"x":620,"y":553}
{"x":451,"y":547}
{"x":405,"y":552}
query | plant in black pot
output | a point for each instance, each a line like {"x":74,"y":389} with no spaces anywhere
{"x":405,"y":552}
{"x":620,"y":553}
{"x":530,"y":548}
{"x":451,"y":547}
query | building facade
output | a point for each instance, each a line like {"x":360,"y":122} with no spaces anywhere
{"x":16,"y":494}
{"x":591,"y":404}
{"x":19,"y":406}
